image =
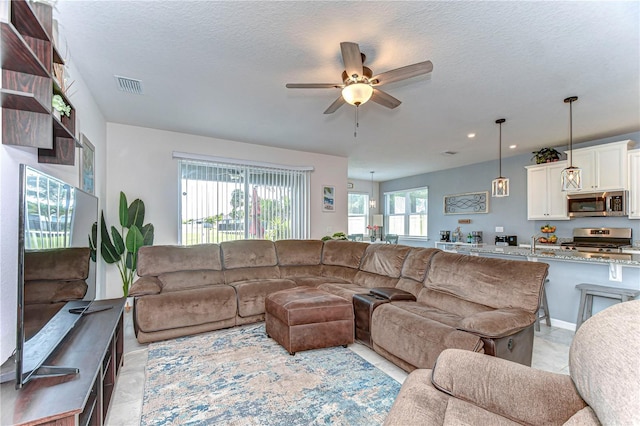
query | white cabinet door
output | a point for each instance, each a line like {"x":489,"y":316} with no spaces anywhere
{"x":545,"y":199}
{"x":604,"y":167}
{"x":557,"y":199}
{"x":583,"y":159}
{"x":634,"y":184}
{"x":536,"y":193}
{"x":611,"y":167}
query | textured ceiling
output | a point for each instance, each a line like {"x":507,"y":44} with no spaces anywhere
{"x":219,"y":69}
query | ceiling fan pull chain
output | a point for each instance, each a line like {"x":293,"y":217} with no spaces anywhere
{"x":355,"y":129}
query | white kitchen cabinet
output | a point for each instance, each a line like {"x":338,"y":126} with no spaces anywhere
{"x":545,"y":199}
{"x":604,"y":167}
{"x":634,"y":184}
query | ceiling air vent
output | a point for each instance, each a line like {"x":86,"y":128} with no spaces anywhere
{"x":129,"y":85}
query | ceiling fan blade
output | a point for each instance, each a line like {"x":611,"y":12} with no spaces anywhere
{"x":384,"y":99}
{"x":352,"y":58}
{"x":335,"y":105}
{"x":402,"y":73}
{"x":314,"y":86}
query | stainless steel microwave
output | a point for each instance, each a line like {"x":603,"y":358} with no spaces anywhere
{"x":597,"y":204}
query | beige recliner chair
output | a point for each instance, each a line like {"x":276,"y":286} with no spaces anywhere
{"x":468,"y":388}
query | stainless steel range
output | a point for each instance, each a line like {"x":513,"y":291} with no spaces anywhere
{"x":600,"y":242}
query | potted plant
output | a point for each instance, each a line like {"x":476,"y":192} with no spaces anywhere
{"x":374,"y":231}
{"x":121,"y":247}
{"x":60,"y":107}
{"x":545,"y":155}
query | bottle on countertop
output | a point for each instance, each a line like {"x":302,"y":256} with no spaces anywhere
{"x":469,"y":238}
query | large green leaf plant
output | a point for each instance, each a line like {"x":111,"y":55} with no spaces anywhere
{"x":121,"y":247}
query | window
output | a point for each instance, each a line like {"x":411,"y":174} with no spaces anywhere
{"x":224,"y":201}
{"x":407,"y":212}
{"x":358,"y":213}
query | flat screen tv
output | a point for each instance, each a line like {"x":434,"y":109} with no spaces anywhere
{"x":54,"y":217}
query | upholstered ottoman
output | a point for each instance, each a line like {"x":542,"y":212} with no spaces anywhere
{"x":305,"y":318}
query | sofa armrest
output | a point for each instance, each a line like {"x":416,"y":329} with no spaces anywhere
{"x":392,"y":293}
{"x":497,"y":323}
{"x":520,"y":393}
{"x":145,"y":285}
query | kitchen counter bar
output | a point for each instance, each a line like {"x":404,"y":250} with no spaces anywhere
{"x":624,"y":259}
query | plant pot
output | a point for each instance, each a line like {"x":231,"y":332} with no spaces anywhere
{"x":57,"y":114}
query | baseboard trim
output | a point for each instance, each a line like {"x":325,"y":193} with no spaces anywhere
{"x":563,"y":324}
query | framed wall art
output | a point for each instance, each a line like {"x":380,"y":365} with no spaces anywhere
{"x":87,"y":165}
{"x":467,"y":203}
{"x":328,"y":198}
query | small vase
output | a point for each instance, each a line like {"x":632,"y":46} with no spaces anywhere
{"x":57,"y":114}
{"x":373,"y":238}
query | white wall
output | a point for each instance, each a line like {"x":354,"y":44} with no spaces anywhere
{"x":140,"y":163}
{"x":92,"y":123}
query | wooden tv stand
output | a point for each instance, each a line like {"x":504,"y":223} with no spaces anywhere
{"x":96,"y":347}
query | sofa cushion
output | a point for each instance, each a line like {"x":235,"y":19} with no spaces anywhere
{"x":371,"y":280}
{"x":156,"y":260}
{"x":316,"y":281}
{"x":415,"y":339}
{"x":346,"y":291}
{"x":417,"y":263}
{"x":340,"y":273}
{"x":251,"y":294}
{"x":57,"y":264}
{"x":53,"y":291}
{"x":294,"y":271}
{"x":248,"y":254}
{"x":185,"y":308}
{"x":145,"y":285}
{"x":418,"y":402}
{"x":181,"y":280}
{"x":251,"y":274}
{"x":299,"y":252}
{"x":384,"y":259}
{"x":450,"y":303}
{"x":497,"y":283}
{"x":343,"y":253}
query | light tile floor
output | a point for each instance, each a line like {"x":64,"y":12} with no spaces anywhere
{"x":550,"y":353}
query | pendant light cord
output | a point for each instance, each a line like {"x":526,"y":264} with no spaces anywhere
{"x":499,"y":122}
{"x":570,"y":100}
{"x":500,"y":153}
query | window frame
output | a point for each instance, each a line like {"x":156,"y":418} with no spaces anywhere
{"x":366,"y":214}
{"x":407,"y":215}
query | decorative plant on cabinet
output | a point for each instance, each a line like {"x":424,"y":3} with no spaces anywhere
{"x":121,"y":247}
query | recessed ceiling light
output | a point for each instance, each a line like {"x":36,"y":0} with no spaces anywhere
{"x":512,"y":146}
{"x":471,"y":135}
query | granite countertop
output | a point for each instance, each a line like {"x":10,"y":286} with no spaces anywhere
{"x":552,"y":254}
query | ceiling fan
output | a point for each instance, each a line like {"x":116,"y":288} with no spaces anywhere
{"x":358,"y":82}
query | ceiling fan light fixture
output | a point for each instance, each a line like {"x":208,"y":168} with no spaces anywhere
{"x":357,"y":93}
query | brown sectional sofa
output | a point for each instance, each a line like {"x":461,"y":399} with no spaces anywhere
{"x":479,"y":304}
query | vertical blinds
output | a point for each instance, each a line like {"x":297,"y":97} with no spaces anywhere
{"x":221,"y":201}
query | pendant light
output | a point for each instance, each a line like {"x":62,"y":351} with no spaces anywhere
{"x":372,"y":201}
{"x":500,"y":185}
{"x":571,"y":177}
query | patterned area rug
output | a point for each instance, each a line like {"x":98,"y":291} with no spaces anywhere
{"x":240,"y":376}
